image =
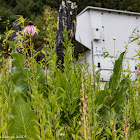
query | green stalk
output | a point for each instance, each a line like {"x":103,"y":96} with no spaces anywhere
{"x":32,"y":61}
{"x":25,"y":48}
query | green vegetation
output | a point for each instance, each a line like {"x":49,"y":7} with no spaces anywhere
{"x":34,"y":10}
{"x":38,"y":101}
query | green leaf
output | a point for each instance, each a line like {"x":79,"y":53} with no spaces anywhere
{"x":99,"y":107}
{"x":108,"y":130}
{"x":118,"y":99}
{"x":116,"y":75}
{"x":104,"y":138}
{"x":99,"y":131}
{"x":41,"y":79}
{"x":101,"y":96}
{"x":114,"y":95}
{"x":106,"y":54}
{"x":135,"y":39}
{"x":20,"y":75}
{"x":12,"y":44}
{"x":60,"y":80}
{"x":23,"y":120}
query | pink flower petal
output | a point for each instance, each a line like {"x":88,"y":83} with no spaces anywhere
{"x":30,"y":30}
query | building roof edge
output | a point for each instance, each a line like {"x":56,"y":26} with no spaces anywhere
{"x":105,"y":9}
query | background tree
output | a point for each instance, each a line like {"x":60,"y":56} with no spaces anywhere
{"x":34,"y":10}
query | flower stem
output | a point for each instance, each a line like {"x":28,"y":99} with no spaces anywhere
{"x":32,"y":61}
{"x":31,"y":47}
{"x":25,"y":47}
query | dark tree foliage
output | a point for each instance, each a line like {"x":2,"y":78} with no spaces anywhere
{"x":129,"y":5}
{"x":33,"y":9}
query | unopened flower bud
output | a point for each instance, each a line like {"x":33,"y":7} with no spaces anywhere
{"x":138,"y":71}
{"x":82,"y":99}
{"x":82,"y":119}
{"x":86,"y":96}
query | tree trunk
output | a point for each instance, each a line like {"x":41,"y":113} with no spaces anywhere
{"x":66,"y":20}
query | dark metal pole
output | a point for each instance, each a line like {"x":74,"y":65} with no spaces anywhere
{"x":92,"y":51}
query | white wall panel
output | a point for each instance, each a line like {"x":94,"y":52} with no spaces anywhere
{"x":108,"y":30}
{"x":83,"y":31}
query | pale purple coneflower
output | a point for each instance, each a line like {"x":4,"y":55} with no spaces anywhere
{"x":30,"y":29}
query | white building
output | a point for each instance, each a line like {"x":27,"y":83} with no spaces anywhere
{"x":105,"y":30}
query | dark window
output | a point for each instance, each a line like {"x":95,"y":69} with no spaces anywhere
{"x":99,"y":65}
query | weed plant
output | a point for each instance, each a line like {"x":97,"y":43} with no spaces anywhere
{"x":39,"y":102}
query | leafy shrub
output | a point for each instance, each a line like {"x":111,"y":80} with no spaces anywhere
{"x":38,"y":101}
